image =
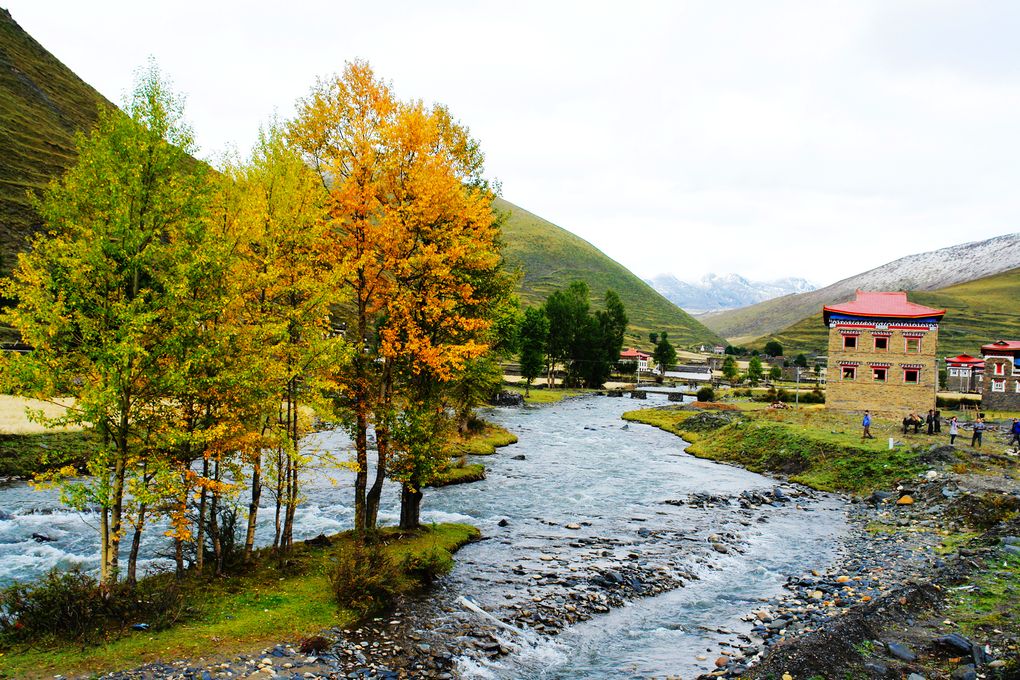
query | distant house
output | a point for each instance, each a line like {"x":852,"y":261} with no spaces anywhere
{"x":636,"y":355}
{"x":882,"y":354}
{"x":1000,"y":389}
{"x":718,"y":349}
{"x":963,"y":373}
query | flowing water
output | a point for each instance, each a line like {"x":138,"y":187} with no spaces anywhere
{"x":583,"y":467}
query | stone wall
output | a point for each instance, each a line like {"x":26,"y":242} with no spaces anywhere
{"x":893,"y":397}
{"x":1008,"y":400}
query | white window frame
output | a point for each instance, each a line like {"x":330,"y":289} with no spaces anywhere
{"x":998,"y":386}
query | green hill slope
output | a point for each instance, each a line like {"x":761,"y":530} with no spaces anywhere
{"x":551,"y":257}
{"x":977,"y":312}
{"x":42,"y":104}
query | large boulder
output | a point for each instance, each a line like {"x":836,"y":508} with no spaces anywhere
{"x":507,"y":398}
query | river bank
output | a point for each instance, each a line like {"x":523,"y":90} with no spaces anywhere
{"x":925,"y":580}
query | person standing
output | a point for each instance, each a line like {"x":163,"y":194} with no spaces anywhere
{"x":929,"y":420}
{"x":954,"y":429}
{"x":1015,"y":432}
{"x":938,"y":421}
{"x":866,"y":424}
{"x":979,"y":429}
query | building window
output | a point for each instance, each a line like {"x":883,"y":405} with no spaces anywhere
{"x":911,"y":376}
{"x":849,"y":373}
{"x":1000,"y":368}
{"x":998,"y":386}
{"x":913,"y":345}
{"x":954,"y":372}
{"x":878,"y":374}
{"x":965,"y":372}
{"x":849,"y":342}
{"x":1016,"y":387}
{"x":881,"y":344}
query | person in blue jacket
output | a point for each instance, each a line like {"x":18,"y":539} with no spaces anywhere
{"x":866,"y":424}
{"x":1015,"y":431}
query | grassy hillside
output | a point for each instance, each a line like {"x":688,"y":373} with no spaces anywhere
{"x":977,"y":312}
{"x":42,"y":105}
{"x":551,"y":257}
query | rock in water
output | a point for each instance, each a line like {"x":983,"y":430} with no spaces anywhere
{"x":507,"y":398}
{"x":42,"y":538}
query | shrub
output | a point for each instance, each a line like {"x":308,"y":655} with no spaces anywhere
{"x":428,"y":565}
{"x":364,"y":579}
{"x":815,"y":396}
{"x":71,"y":605}
{"x":706,"y":394}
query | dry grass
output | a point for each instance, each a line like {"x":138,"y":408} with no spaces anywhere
{"x":14,"y":417}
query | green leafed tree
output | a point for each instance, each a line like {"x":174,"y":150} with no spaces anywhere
{"x":754,"y":371}
{"x":773,"y":349}
{"x":102,"y":290}
{"x":664,"y":354}
{"x":533,"y":337}
{"x":730,"y":370}
{"x":567,"y":311}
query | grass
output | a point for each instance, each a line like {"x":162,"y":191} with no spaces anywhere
{"x":460,"y":474}
{"x":991,"y":603}
{"x":481,"y":443}
{"x":814,"y":446}
{"x":241,"y":613}
{"x":23,"y":455}
{"x":544,"y":395}
{"x":551,"y":257}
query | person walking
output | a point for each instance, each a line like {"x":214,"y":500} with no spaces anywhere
{"x":1015,"y":432}
{"x":866,"y":424}
{"x":954,"y":429}
{"x":930,"y":421}
{"x":938,"y":421}
{"x":979,"y":429}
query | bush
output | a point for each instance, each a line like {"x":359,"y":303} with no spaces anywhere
{"x":71,"y":605}
{"x":956,"y":402}
{"x":706,"y":393}
{"x":429,"y":565}
{"x":364,"y":579}
{"x":815,"y":396}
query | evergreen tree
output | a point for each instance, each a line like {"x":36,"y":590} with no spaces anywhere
{"x":533,"y":337}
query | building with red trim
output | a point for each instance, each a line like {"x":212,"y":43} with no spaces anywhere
{"x":643,"y":360}
{"x":963,"y":373}
{"x":882,"y":354}
{"x":1000,"y":389}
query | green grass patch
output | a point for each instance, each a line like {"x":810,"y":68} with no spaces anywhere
{"x":989,"y":600}
{"x":546,"y":395}
{"x":272,"y":602}
{"x":815,"y":447}
{"x":23,"y":455}
{"x":463,"y":474}
{"x":483,"y":442}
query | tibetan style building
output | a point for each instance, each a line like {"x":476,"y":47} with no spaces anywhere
{"x":963,"y":373}
{"x":882,"y":354}
{"x":1000,"y":389}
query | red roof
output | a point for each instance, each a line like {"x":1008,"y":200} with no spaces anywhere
{"x":1006,"y":345}
{"x":964,"y":359}
{"x":882,"y":304}
{"x":631,"y":353}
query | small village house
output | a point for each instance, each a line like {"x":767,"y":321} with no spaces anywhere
{"x":882,"y":354}
{"x":963,"y":373}
{"x":1000,"y":389}
{"x":642,"y":359}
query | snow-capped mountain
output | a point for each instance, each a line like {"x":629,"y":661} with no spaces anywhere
{"x":714,"y":292}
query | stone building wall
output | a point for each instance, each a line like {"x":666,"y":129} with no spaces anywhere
{"x":892,"y":397}
{"x":1009,"y":398}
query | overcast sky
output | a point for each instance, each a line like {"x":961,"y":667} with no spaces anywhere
{"x":815,"y":139}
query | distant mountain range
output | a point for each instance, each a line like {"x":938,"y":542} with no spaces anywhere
{"x":729,"y":291}
{"x":929,"y":271}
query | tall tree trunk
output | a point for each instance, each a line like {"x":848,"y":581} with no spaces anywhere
{"x":382,"y":444}
{"x":253,"y":506}
{"x":410,"y":507}
{"x":279,"y":495}
{"x":109,"y":572}
{"x":361,"y":408}
{"x":136,"y":542}
{"x":179,"y":558}
{"x":200,"y":533}
{"x":214,"y":522}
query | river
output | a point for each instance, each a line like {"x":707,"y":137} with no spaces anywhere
{"x":583,"y":467}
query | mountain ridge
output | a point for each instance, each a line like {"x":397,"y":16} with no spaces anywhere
{"x":928,"y":271}
{"x":715,"y":292}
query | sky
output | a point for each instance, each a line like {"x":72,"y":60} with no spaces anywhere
{"x":803,"y":138}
